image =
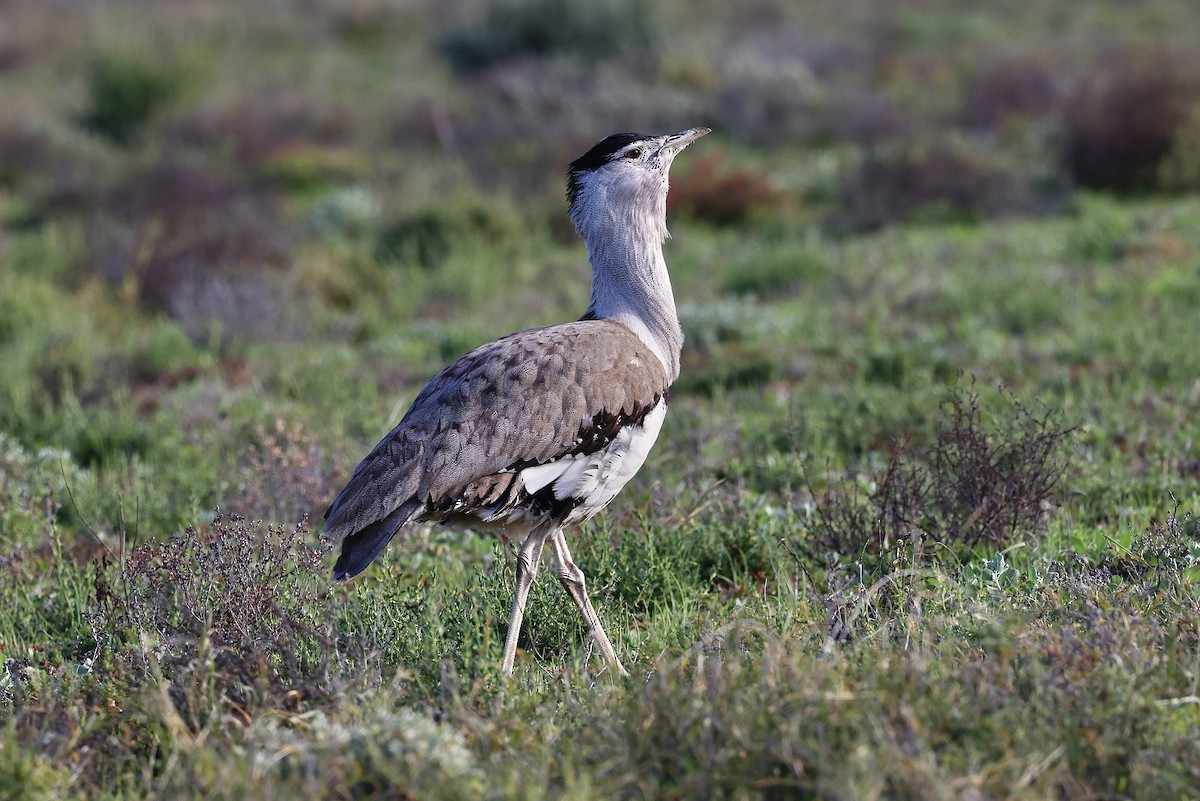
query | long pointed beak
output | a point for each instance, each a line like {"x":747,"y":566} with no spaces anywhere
{"x":679,"y":141}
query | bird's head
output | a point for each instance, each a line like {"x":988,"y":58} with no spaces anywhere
{"x":624,"y":177}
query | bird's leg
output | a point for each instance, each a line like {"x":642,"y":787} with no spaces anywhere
{"x":528,"y":560}
{"x":573,"y":581}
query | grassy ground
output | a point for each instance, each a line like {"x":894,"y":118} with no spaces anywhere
{"x":921,"y":523}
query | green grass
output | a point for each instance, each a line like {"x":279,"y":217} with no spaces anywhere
{"x":1060,"y":675}
{"x":1064,"y":668}
{"x":807,"y":602}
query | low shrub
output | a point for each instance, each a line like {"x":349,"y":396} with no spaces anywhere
{"x":281,"y":475}
{"x":389,"y":754}
{"x":428,"y":237}
{"x":205,"y":247}
{"x":125,"y":93}
{"x":1121,"y":124}
{"x":307,"y":169}
{"x":508,"y":29}
{"x":265,"y":125}
{"x":767,"y":101}
{"x":1180,"y":171}
{"x":711,"y":192}
{"x":32,"y":485}
{"x":233,"y":606}
{"x":1073,"y":700}
{"x":984,"y":479}
{"x":1169,"y":548}
{"x":345,"y":214}
{"x":945,"y":179}
{"x":1009,"y":87}
{"x":22,"y":151}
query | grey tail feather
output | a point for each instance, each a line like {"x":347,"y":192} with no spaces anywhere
{"x":360,"y":548}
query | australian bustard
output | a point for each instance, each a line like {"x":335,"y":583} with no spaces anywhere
{"x":541,"y":429}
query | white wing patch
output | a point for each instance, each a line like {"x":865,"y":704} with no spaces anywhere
{"x":596,"y":478}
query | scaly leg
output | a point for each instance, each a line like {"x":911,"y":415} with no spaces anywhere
{"x":573,"y":581}
{"x":528,"y":560}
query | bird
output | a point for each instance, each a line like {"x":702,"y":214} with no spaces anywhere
{"x":539,"y":430}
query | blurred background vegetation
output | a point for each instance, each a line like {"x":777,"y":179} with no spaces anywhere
{"x":939,"y":269}
{"x":315,"y":204}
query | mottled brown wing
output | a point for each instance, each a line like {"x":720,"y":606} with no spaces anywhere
{"x":525,"y":399}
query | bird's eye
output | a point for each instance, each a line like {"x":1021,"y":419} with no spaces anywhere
{"x":636,"y":153}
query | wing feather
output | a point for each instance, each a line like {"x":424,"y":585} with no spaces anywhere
{"x":522,"y":400}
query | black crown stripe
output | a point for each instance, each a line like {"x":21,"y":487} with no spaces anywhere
{"x":597,"y":157}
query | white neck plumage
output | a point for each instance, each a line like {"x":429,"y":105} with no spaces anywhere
{"x":630,"y":283}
